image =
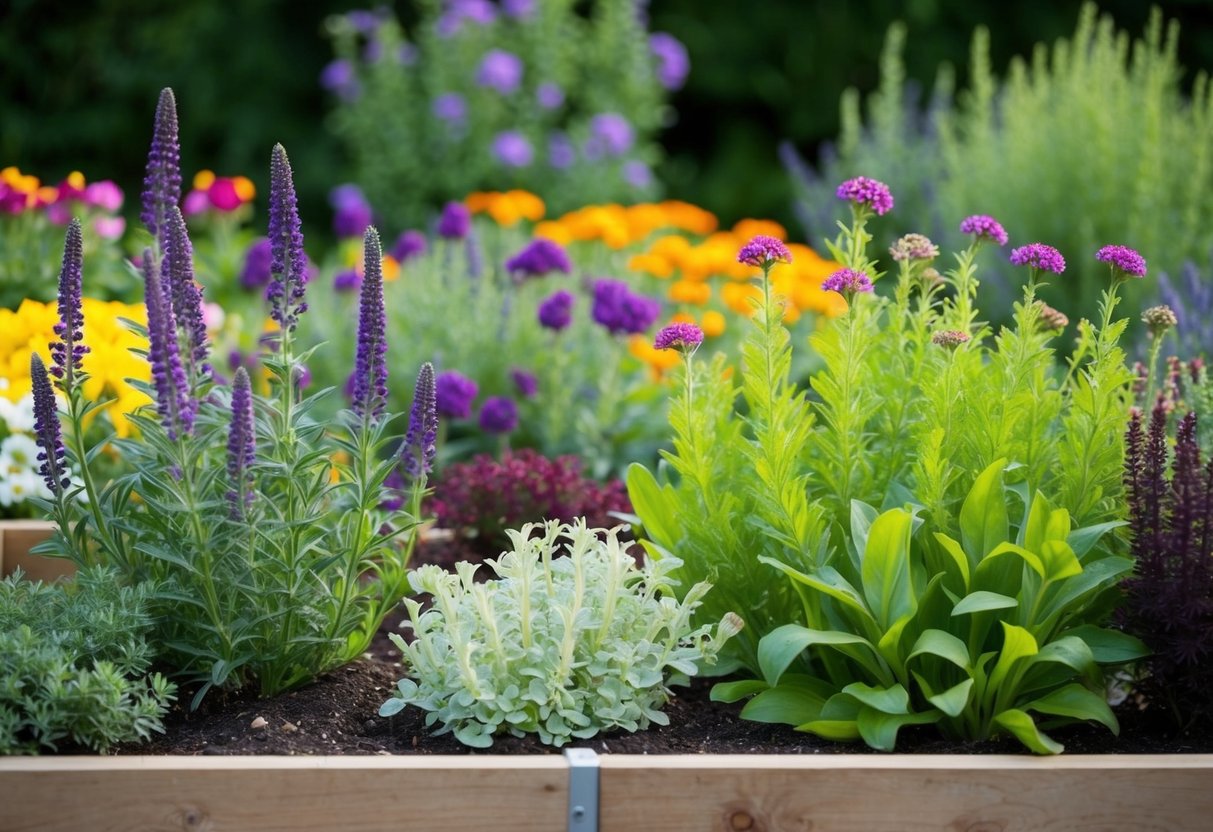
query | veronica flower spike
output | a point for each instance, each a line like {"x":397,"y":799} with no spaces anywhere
{"x":370,"y":364}
{"x":184,"y":294}
{"x":241,"y":445}
{"x":421,"y":438}
{"x":47,"y":430}
{"x":69,"y":350}
{"x":173,"y":401}
{"x":288,"y":263}
{"x":162,"y":180}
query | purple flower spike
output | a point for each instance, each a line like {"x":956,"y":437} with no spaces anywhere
{"x":498,"y":415}
{"x":556,"y":312}
{"x":454,"y":393}
{"x":763,"y":251}
{"x":1039,"y":256}
{"x":173,"y":401}
{"x":241,"y":445}
{"x":185,"y":295}
{"x":847,"y":282}
{"x":501,"y":71}
{"x":257,"y":262}
{"x":620,"y":311}
{"x":455,"y":221}
{"x":525,"y":382}
{"x":540,"y":256}
{"x":370,"y":366}
{"x":162,"y":180}
{"x":683,"y":337}
{"x":67,"y":352}
{"x":288,"y":264}
{"x":1124,"y":260}
{"x":984,"y":227}
{"x":420,"y":438}
{"x":46,"y":428}
{"x":866,"y":192}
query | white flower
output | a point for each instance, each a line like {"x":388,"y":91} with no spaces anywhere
{"x":19,"y":487}
{"x":18,"y":453}
{"x":17,"y":416}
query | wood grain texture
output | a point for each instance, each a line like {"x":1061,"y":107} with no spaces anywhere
{"x":16,"y":539}
{"x":216,"y":794}
{"x":875,"y":793}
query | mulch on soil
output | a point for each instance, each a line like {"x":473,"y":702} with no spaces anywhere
{"x":338,"y":714}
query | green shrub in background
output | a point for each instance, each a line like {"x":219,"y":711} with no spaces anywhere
{"x":526,"y":95}
{"x":1086,"y":143}
{"x":74,"y":662}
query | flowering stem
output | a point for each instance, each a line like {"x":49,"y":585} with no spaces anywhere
{"x":1151,"y":376}
{"x":108,"y":540}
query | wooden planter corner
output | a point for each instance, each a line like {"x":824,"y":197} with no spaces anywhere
{"x":17,"y":537}
{"x":725,"y":793}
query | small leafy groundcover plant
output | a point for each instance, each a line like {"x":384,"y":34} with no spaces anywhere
{"x":74,"y":662}
{"x":570,"y":639}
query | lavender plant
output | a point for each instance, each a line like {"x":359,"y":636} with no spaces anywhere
{"x":918,"y":414}
{"x":533,"y":95}
{"x":1190,"y":298}
{"x":569,"y":640}
{"x":263,"y":527}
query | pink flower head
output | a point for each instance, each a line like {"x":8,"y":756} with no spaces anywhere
{"x":109,"y":228}
{"x":847,"y":282}
{"x":984,"y":227}
{"x":763,"y":251}
{"x":683,"y":337}
{"x":222,"y":194}
{"x":104,"y":195}
{"x":867,"y":192}
{"x":1123,"y":259}
{"x":1039,"y":256}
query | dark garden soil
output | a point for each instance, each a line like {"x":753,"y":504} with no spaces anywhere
{"x":338,"y":714}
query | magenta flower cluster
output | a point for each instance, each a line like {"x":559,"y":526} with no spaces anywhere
{"x":1039,"y":256}
{"x":847,"y":282}
{"x":763,"y":251}
{"x":984,"y":227}
{"x":681,"y":336}
{"x":869,"y":193}
{"x":1123,"y":259}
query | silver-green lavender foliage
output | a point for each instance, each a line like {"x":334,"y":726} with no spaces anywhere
{"x":1089,"y":141}
{"x":570,"y":639}
{"x":410,"y":158}
{"x":74,"y":662}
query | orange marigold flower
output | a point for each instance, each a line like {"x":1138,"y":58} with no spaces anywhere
{"x":651,"y":264}
{"x":713,"y":323}
{"x":689,"y":217}
{"x":690,"y":291}
{"x":737,"y":296}
{"x":749,"y":228}
{"x":659,"y":361}
{"x":555,"y":231}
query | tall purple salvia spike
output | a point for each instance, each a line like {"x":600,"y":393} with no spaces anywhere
{"x":241,"y":445}
{"x":185,"y":295}
{"x":47,"y":432}
{"x":162,"y":181}
{"x":420,"y":438}
{"x":370,"y":364}
{"x":288,"y":264}
{"x":67,"y":352}
{"x":173,"y":400}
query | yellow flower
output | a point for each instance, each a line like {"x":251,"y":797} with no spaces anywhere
{"x":749,"y":228}
{"x":651,"y":264}
{"x":245,"y":189}
{"x":690,"y":291}
{"x":203,"y":180}
{"x":659,"y":361}
{"x":737,"y":297}
{"x":555,"y":231}
{"x":713,"y":323}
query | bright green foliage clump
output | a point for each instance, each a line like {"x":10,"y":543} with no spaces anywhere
{"x":1089,"y":142}
{"x":570,"y":639}
{"x":918,"y":404}
{"x":74,"y":662}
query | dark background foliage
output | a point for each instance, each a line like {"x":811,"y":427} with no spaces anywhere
{"x":80,"y":79}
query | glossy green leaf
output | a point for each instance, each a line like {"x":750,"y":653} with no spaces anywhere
{"x":826,"y":580}
{"x":890,"y":700}
{"x":944,"y":645}
{"x":1017,"y":644}
{"x":838,"y":730}
{"x":983,"y":516}
{"x":1059,"y":560}
{"x":879,"y":729}
{"x":1084,"y":539}
{"x":1070,"y":651}
{"x":1007,"y":548}
{"x":886,"y":568}
{"x":1076,"y":702}
{"x":784,"y":706}
{"x":652,"y":503}
{"x":1020,"y":725}
{"x":862,"y":516}
{"x":1110,"y":646}
{"x":955,"y":699}
{"x":780,"y":647}
{"x":983,"y":601}
{"x":952,"y":548}
{"x":737,"y":690}
{"x":1096,"y":575}
{"x":1035,"y":527}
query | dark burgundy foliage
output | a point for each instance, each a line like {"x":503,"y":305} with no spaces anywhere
{"x":1169,"y":600}
{"x":486,"y":497}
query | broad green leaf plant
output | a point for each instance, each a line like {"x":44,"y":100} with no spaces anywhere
{"x":883,"y":494}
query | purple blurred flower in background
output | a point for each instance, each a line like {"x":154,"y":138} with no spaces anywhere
{"x":105,"y":195}
{"x":339,"y":78}
{"x":561,"y":153}
{"x":347,"y":280}
{"x":454,"y":393}
{"x":518,"y":9}
{"x":351,"y":211}
{"x":610,"y":135}
{"x":366,"y":21}
{"x":450,"y":107}
{"x":556,"y":311}
{"x":673,"y":62}
{"x":257,"y":259}
{"x":637,"y":174}
{"x":455,"y":221}
{"x":525,"y":382}
{"x":621,"y":311}
{"x":500,"y":70}
{"x":498,"y":415}
{"x":539,"y":257}
{"x":479,"y":12}
{"x":512,"y":149}
{"x":549,"y":95}
{"x":1191,"y":298}
{"x":408,"y":245}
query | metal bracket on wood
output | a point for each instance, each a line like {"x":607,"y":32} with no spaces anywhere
{"x":583,"y":789}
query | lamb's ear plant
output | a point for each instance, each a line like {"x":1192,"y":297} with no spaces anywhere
{"x":262,"y":527}
{"x":570,"y":639}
